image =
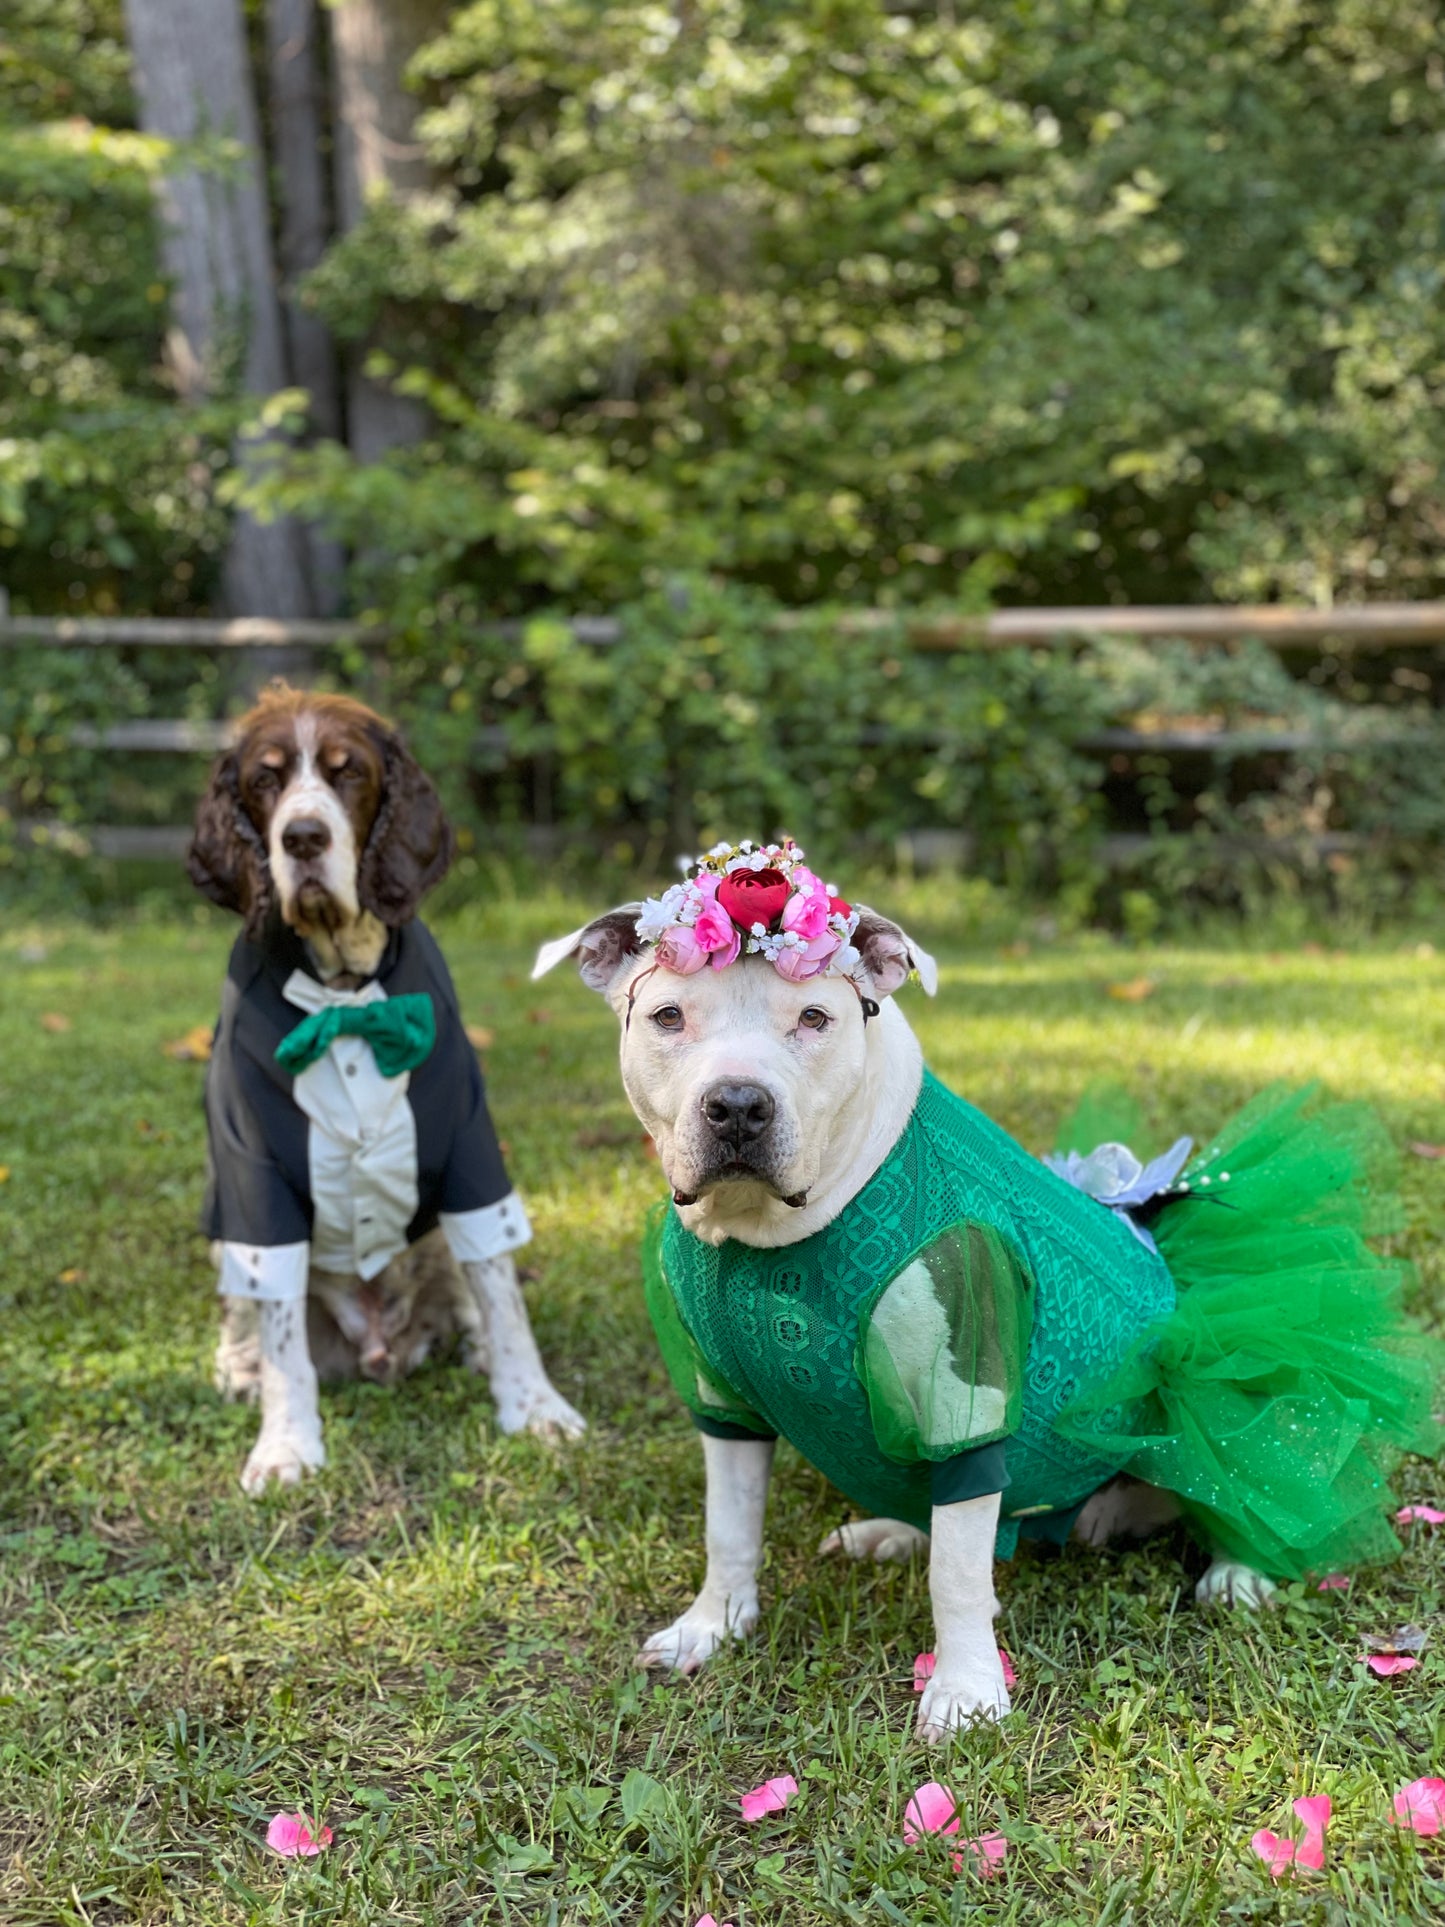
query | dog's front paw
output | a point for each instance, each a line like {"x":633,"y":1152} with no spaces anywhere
{"x":1228,"y":1583}
{"x":880,"y":1539}
{"x":285,"y":1453}
{"x":689,"y":1643}
{"x":961,"y":1697}
{"x":540,"y":1410}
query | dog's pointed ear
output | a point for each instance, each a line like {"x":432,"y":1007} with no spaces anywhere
{"x":411,"y":844}
{"x":601,"y":947}
{"x":226,"y":859}
{"x":889,"y":954}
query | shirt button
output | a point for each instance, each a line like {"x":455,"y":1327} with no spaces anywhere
{"x":351,"y":1070}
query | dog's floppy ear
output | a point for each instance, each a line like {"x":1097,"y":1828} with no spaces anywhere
{"x":889,"y":953}
{"x":227,"y":860}
{"x":601,"y":947}
{"x":411,"y":844}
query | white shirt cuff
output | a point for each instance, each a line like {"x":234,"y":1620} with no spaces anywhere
{"x":274,"y":1274}
{"x":475,"y":1236}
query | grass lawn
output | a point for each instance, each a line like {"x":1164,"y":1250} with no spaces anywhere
{"x":427,"y":1646}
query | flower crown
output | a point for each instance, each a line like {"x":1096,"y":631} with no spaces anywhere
{"x":753,"y":899}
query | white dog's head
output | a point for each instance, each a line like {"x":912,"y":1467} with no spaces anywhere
{"x":759,"y":1093}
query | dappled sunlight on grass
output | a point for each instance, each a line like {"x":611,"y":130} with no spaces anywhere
{"x":427,"y":1646}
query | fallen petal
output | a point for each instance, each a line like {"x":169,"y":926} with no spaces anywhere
{"x":988,"y":1852}
{"x":771,"y":1797}
{"x":1314,"y":1814}
{"x":1334,"y":1582}
{"x":1386,"y":1664}
{"x":932,"y":1809}
{"x":707,"y":1920}
{"x":1010,"y":1680}
{"x":1421,"y":1805}
{"x":1277,"y":1854}
{"x":1427,"y":1515}
{"x":289,"y":1834}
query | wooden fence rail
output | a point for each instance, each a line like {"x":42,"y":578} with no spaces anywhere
{"x":1381,"y":625}
{"x":1391,"y":625}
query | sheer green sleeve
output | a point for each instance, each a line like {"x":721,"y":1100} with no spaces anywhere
{"x":941,"y":1348}
{"x":701,"y":1390}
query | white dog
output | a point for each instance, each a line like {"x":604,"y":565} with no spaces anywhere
{"x":773,"y":1103}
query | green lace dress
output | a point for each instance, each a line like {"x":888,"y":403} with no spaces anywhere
{"x":972,"y":1323}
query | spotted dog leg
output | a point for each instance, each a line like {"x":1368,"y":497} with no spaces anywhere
{"x":526,"y":1399}
{"x":290,"y":1442}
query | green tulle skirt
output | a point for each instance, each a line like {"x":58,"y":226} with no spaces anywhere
{"x":1278,"y":1398}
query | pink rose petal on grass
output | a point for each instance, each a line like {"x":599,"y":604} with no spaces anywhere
{"x":933,"y":1809}
{"x":771,"y":1797}
{"x":289,"y":1834}
{"x":1421,"y":1805}
{"x":1334,"y":1582}
{"x":1387,"y":1664}
{"x":924,"y":1664}
{"x":1427,"y":1515}
{"x":706,"y":1920}
{"x":1277,"y":1853}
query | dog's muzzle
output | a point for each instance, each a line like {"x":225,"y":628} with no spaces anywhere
{"x":737,"y":1118}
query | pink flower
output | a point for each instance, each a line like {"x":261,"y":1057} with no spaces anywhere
{"x":1386,"y":1664}
{"x":1427,"y":1515}
{"x":707,"y":1920}
{"x":800,"y":962}
{"x":771,"y":1797}
{"x":679,"y":950}
{"x":1421,"y":1805}
{"x":716,"y":933}
{"x":1277,"y":1853}
{"x":289,"y":1834}
{"x":806,"y":915}
{"x":933,"y":1809}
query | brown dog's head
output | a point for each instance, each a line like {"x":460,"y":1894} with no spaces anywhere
{"x":320,"y":810}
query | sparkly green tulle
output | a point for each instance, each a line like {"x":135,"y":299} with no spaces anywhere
{"x":1279,"y":1396}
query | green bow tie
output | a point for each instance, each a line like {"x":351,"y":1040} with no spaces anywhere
{"x":401,"y":1032}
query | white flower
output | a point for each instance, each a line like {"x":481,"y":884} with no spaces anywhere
{"x":660,"y":913}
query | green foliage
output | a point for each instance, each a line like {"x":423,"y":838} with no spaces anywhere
{"x":106,"y":484}
{"x":1059,"y":301}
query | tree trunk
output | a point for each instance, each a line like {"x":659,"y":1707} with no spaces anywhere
{"x":193,"y":80}
{"x":298,"y":131}
{"x":376,"y":153}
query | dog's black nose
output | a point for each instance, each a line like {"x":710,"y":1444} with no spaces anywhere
{"x":305,"y":837}
{"x":738,"y":1113}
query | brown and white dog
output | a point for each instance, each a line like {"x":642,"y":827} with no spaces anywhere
{"x":360,"y":1219}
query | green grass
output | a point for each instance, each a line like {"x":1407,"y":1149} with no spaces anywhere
{"x":428,"y":1645}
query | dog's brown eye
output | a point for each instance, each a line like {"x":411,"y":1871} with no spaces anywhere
{"x":813,"y":1018}
{"x":264,"y":779}
{"x":668,"y":1018}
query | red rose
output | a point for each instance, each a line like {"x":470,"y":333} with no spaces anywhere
{"x":754,"y":896}
{"x":837,"y":907}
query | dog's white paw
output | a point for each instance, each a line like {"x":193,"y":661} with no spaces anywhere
{"x":959,"y":1698}
{"x":880,"y":1539}
{"x":285,"y":1453}
{"x":1126,"y":1509}
{"x":1228,"y":1583}
{"x":689,"y":1643}
{"x":540,"y":1410}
